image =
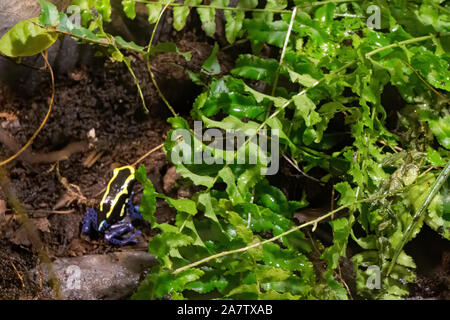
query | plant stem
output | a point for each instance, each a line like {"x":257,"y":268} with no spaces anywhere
{"x":312,"y":222}
{"x":441,"y":179}
{"x":401,"y":43}
{"x":440,"y":8}
{"x":136,"y":81}
{"x":283,"y":52}
{"x":152,"y":76}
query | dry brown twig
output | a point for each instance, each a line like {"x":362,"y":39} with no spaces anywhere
{"x":18,"y":274}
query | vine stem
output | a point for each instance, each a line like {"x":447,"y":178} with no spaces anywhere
{"x":401,"y":43}
{"x":441,"y":179}
{"x":440,"y":8}
{"x":312,"y":222}
{"x":283,"y":52}
{"x":147,"y":154}
{"x":149,"y":68}
{"x":426,"y":83}
{"x":127,"y":63}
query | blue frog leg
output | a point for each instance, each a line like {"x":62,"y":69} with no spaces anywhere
{"x":89,"y":221}
{"x":115,"y":232}
{"x":133,"y":211}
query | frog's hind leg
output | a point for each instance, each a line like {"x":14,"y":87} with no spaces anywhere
{"x":116,"y":231}
{"x":89,"y":222}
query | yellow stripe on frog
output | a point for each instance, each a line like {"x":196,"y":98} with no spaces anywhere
{"x":123,"y":191}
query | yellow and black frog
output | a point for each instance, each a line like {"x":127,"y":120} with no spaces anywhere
{"x":116,"y":210}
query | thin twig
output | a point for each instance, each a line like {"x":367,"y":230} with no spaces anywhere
{"x":427,"y":84}
{"x":299,"y":170}
{"x":341,"y":279}
{"x":152,"y":76}
{"x":147,"y":154}
{"x":296,"y":228}
{"x":283,"y":52}
{"x":399,"y":44}
{"x":18,"y":274}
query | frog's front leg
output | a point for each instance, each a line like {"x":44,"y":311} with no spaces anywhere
{"x":89,"y":222}
{"x":133,"y":211}
{"x":115,"y":232}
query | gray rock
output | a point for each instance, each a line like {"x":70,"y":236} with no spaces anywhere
{"x":11,"y":12}
{"x":108,"y":276}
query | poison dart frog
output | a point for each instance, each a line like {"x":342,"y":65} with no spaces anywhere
{"x":116,"y":210}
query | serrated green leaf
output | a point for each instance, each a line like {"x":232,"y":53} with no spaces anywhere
{"x":269,"y":32}
{"x":169,"y":47}
{"x":212,"y":65}
{"x":128,"y":44}
{"x":235,"y":19}
{"x":166,"y":244}
{"x":104,"y":8}
{"x":181,"y":13}
{"x":341,"y":232}
{"x":305,"y":109}
{"x":154,"y":10}
{"x":148,"y":200}
{"x":274,"y":256}
{"x":293,"y":285}
{"x":128,"y":8}
{"x":248,"y":179}
{"x":208,"y":16}
{"x":160,"y":283}
{"x":434,"y":69}
{"x":205,"y":287}
{"x":181,"y":205}
{"x":441,"y":129}
{"x":252,"y":67}
{"x":228,"y":177}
